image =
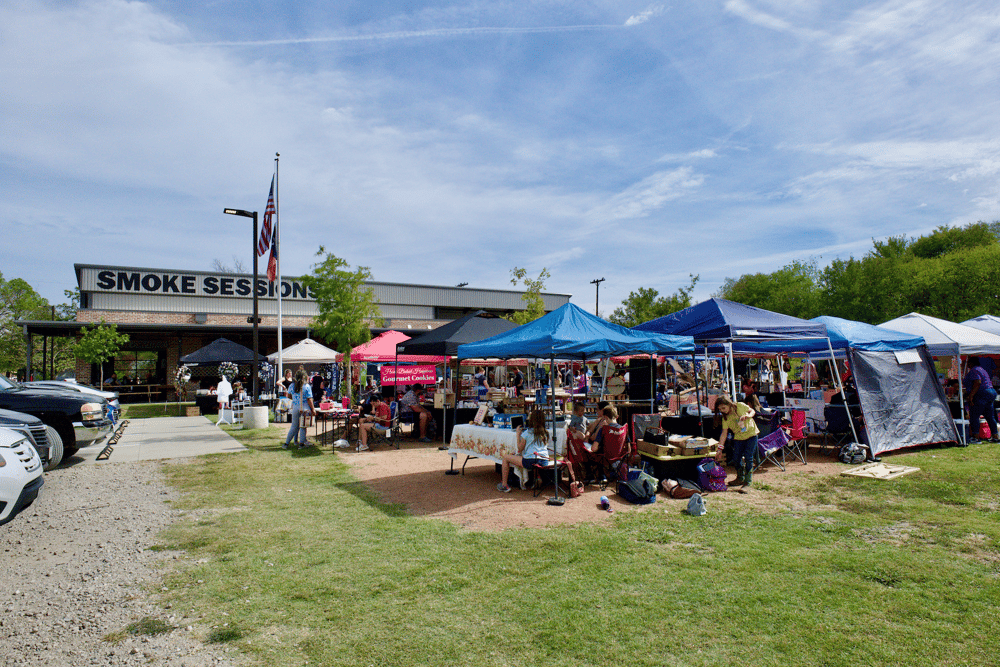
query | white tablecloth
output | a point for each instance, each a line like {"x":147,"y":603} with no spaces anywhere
{"x":485,"y":442}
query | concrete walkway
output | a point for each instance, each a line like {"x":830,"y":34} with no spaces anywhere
{"x":165,"y":438}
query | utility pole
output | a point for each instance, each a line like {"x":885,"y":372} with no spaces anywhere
{"x":597,"y":302}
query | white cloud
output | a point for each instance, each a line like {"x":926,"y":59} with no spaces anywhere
{"x":649,"y":194}
{"x":645,"y":15}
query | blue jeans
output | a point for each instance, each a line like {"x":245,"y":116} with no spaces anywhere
{"x":743,"y":451}
{"x":295,"y":429}
{"x":982,"y":407}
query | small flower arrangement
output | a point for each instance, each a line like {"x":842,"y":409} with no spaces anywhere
{"x":229,"y":370}
{"x":182,"y":375}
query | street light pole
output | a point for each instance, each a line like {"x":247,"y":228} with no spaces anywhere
{"x":597,"y":302}
{"x":256,"y":317}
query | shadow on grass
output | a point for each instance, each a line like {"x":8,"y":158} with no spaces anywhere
{"x":364,"y":493}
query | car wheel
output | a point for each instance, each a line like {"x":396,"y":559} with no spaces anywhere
{"x":55,"y":447}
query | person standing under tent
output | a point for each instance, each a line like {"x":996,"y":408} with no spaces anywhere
{"x":302,"y":404}
{"x":981,"y":399}
{"x":738,"y":419}
{"x":519,"y":381}
{"x":482,"y":384}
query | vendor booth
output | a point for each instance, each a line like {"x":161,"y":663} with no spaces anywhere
{"x":566,"y":333}
{"x":948,"y":339}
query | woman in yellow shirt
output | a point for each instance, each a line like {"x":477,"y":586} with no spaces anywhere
{"x":738,"y":418}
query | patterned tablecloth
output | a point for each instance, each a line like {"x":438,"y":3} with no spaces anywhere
{"x":485,"y":442}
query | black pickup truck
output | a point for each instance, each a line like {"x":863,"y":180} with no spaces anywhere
{"x":79,"y":419}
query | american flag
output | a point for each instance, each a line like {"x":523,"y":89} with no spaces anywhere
{"x":265,"y":230}
{"x":272,"y":262}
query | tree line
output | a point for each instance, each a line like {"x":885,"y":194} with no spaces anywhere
{"x":950,"y":273}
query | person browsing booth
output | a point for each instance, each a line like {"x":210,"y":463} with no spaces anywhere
{"x":533,"y":449}
{"x":738,"y":419}
{"x":411,"y":401}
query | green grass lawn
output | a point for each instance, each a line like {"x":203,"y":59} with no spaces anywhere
{"x":292,"y":561}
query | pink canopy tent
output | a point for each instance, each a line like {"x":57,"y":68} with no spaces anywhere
{"x":382,"y":349}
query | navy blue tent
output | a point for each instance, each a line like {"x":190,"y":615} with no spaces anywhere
{"x":723,"y":320}
{"x":444,"y":340}
{"x":570,"y":331}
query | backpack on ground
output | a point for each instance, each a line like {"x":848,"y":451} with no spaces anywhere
{"x":639,"y":488}
{"x":711,"y":477}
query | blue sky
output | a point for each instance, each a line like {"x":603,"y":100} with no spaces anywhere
{"x":443,"y":142}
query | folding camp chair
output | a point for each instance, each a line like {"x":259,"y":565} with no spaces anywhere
{"x":768,"y":448}
{"x":614,"y":454}
{"x":391,"y":435}
{"x":835,"y":427}
{"x":796,"y":445}
{"x":550,"y":472}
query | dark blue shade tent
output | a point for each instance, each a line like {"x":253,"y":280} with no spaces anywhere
{"x":721,"y":320}
{"x":444,"y":340}
{"x":218,"y":351}
{"x":570,"y":331}
{"x":843,"y":335}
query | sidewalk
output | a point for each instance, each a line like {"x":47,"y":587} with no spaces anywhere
{"x":165,"y":438}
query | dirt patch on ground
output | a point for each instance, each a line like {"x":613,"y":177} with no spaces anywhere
{"x":414,"y":476}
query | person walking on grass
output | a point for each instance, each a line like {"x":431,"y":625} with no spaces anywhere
{"x":532,"y":450}
{"x":738,"y":418}
{"x":302,"y":404}
{"x":980,"y":401}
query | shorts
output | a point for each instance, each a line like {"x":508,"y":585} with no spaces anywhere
{"x":380,"y":427}
{"x":527,"y":463}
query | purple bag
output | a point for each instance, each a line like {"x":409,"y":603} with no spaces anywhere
{"x":711,"y":477}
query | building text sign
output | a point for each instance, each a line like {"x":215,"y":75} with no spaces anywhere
{"x":148,"y":281}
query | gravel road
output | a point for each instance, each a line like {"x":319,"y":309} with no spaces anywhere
{"x":77,"y":566}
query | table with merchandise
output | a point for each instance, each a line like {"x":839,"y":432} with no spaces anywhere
{"x":486,"y":442}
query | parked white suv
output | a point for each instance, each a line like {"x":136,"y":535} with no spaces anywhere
{"x":20,"y":474}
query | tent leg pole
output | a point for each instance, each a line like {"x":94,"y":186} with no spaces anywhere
{"x":843,"y":395}
{"x":556,"y":500}
{"x":697,"y":393}
{"x":961,"y":402}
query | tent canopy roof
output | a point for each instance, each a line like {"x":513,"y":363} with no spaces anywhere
{"x":724,"y":320}
{"x":570,"y":331}
{"x":987,"y":323}
{"x":446,"y":339}
{"x":307,"y":351}
{"x":218,"y":351}
{"x":382,"y":348}
{"x":946,"y":338}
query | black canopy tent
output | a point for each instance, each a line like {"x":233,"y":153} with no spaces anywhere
{"x":444,"y":341}
{"x":218,"y":351}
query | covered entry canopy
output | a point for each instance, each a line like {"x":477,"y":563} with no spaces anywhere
{"x":218,"y":351}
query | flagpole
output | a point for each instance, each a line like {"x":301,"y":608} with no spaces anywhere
{"x":281,"y":372}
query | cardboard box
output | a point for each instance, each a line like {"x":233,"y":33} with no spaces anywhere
{"x":192,"y":411}
{"x":657,"y":450}
{"x":442,"y":398}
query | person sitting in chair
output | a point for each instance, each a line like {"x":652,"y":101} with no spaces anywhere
{"x":609,"y":442}
{"x":411,"y":401}
{"x":533,"y":450}
{"x":378,"y":420}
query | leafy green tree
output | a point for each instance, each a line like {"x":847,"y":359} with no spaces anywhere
{"x":792,"y":290}
{"x":99,"y":344}
{"x":646,"y":304}
{"x":18,"y":301}
{"x":534,"y":304}
{"x":346,"y":304}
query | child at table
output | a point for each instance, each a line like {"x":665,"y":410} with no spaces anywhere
{"x":738,"y":418}
{"x":532,"y":450}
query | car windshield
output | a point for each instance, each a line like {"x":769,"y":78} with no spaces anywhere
{"x":7,"y":384}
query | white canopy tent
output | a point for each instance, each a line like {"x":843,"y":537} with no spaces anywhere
{"x":948,"y":339}
{"x":307,"y":351}
{"x":987,"y":323}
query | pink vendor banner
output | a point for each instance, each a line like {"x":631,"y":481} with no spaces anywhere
{"x":408,"y":374}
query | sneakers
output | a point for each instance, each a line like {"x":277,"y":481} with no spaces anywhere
{"x":503,"y":488}
{"x":284,"y":446}
{"x":361,"y":448}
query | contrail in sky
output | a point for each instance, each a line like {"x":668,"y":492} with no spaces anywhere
{"x":409,"y":34}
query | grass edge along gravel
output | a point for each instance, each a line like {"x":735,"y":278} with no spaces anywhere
{"x":298,"y":563}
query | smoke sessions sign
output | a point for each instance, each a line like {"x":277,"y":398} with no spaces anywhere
{"x":194,"y":284}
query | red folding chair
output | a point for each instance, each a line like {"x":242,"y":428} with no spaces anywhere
{"x":796,"y":445}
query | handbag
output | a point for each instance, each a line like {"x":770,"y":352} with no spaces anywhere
{"x":696,"y":506}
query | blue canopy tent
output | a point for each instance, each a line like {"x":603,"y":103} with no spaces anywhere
{"x":720,"y":325}
{"x":571,"y":332}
